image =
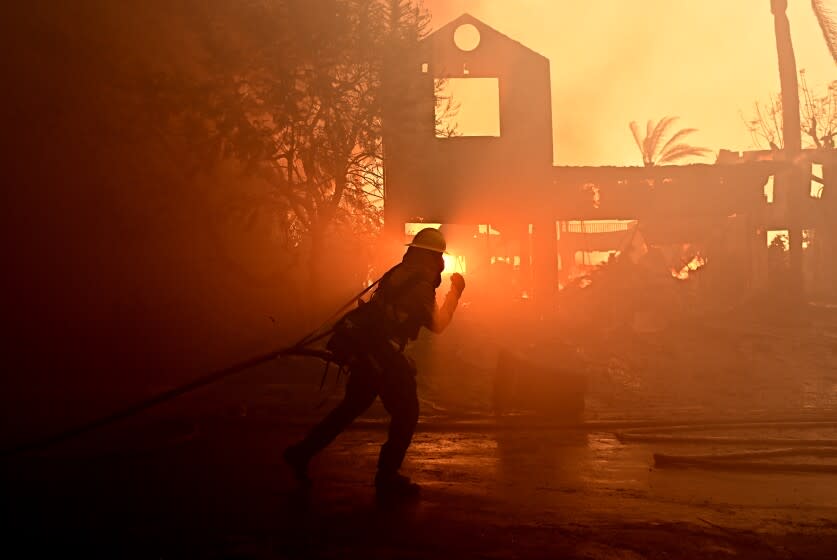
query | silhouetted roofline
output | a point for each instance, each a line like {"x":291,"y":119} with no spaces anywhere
{"x":575,"y":174}
{"x":479,"y":24}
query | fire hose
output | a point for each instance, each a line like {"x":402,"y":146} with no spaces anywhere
{"x":757,"y":460}
{"x":299,"y":348}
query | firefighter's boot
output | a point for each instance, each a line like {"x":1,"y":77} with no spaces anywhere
{"x":395,"y":487}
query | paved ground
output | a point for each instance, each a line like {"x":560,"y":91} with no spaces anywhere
{"x":203,"y":478}
{"x":509,"y":493}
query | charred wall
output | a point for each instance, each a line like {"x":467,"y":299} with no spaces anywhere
{"x":473,"y":179}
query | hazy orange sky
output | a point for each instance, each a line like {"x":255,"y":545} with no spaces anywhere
{"x":614,"y":61}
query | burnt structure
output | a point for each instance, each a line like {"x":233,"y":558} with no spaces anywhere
{"x":507,"y":178}
{"x":475,"y":179}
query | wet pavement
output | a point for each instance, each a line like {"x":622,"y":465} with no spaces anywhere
{"x":203,"y":477}
{"x":503,"y":493}
{"x":572,"y":476}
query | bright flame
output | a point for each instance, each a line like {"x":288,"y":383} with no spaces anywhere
{"x":453,"y":263}
{"x":697,"y":262}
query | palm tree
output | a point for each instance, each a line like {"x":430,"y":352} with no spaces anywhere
{"x":656,"y":152}
{"x":793,"y":182}
{"x":792,"y":131}
{"x":828,"y":24}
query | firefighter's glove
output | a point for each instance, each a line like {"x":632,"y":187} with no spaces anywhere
{"x":457,"y":283}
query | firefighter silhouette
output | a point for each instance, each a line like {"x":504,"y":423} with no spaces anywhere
{"x":369,"y":341}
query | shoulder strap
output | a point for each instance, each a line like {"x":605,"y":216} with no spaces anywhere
{"x":389,"y":293}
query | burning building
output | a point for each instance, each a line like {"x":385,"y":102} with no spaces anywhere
{"x":500,"y":174}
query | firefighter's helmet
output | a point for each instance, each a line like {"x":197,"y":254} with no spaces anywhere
{"x":430,"y":239}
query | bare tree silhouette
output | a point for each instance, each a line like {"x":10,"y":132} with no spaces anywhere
{"x":658,"y":146}
{"x":819,"y":118}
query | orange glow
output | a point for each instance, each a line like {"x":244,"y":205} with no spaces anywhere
{"x":614,"y":61}
{"x":453,"y":263}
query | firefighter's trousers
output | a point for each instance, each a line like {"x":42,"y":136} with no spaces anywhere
{"x":396,"y":385}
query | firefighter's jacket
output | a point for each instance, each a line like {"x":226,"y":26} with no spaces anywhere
{"x":407,"y":297}
{"x":377,"y":332}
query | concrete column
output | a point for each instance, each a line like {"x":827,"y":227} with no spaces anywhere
{"x":829,"y":235}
